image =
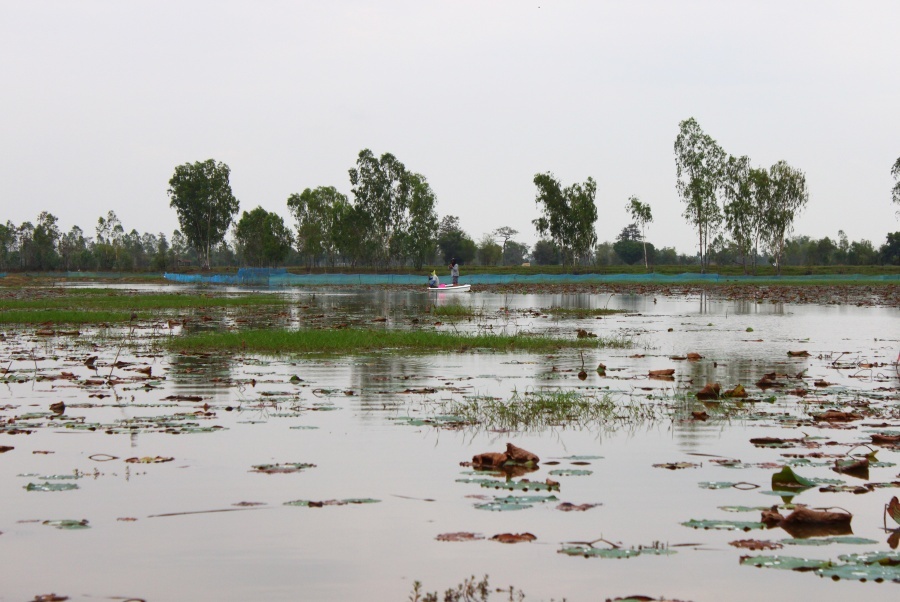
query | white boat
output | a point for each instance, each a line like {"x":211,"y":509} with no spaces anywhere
{"x":444,"y":288}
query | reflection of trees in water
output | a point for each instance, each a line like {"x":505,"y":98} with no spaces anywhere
{"x":379,"y":379}
{"x":200,"y":374}
{"x":744,"y":371}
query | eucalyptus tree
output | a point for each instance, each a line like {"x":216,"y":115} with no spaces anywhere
{"x":742,"y":213}
{"x":8,"y":242}
{"x":73,"y":249}
{"x":399,"y":206}
{"x":788,"y":196}
{"x":453,"y":241}
{"x":262,"y":238}
{"x":567,"y":215}
{"x":314,"y":215}
{"x":895,"y":171}
{"x":201,"y":194}
{"x":699,"y":164}
{"x":489,"y":252}
{"x":641,"y":215}
{"x":44,"y":240}
{"x":420,"y":237}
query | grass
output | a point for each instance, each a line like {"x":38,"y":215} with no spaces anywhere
{"x":351,"y":340}
{"x":542,"y":409}
{"x":455,"y":310}
{"x":63,"y":316}
{"x":105,"y":299}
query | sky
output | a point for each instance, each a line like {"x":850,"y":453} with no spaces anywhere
{"x":101,"y":100}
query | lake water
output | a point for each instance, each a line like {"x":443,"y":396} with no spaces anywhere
{"x":207,"y":526}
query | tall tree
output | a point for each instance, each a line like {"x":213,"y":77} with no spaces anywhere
{"x":567,"y":215}
{"x":263,"y":238}
{"x":454,"y":243}
{"x":504,"y":232}
{"x":201,"y":194}
{"x":788,"y":197}
{"x":698,"y":165}
{"x":642,"y":215}
{"x":314,"y":214}
{"x":8,"y":244}
{"x":895,"y":171}
{"x":741,"y":214}
{"x":398,"y":206}
{"x":45,"y":239}
{"x":420,"y":237}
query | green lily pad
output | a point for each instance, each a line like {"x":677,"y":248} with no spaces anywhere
{"x":570,"y":472}
{"x":286,"y":468}
{"x":788,"y":479}
{"x":69,"y":524}
{"x":861,"y":572}
{"x":591,"y":552}
{"x":790,"y":563}
{"x":50,"y":486}
{"x":522,"y":485}
{"x":320,"y":504}
{"x":724,"y":525}
{"x":892,"y":557}
{"x":824,"y":541}
{"x":304,"y":428}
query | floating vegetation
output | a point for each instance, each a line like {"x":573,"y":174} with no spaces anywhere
{"x":355,"y":340}
{"x":286,"y":468}
{"x":873,"y":566}
{"x":50,"y":486}
{"x":321,"y":504}
{"x":589,"y":550}
{"x":67,"y":524}
{"x":724,"y":525}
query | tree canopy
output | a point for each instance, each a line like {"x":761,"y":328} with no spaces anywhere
{"x":201,"y":194}
{"x":262,"y":238}
{"x":567,"y":215}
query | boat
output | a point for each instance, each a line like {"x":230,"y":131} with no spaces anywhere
{"x":444,"y":288}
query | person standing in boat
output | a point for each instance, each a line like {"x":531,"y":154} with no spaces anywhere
{"x":454,"y":271}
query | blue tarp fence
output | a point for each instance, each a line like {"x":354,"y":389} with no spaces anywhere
{"x":280,"y":277}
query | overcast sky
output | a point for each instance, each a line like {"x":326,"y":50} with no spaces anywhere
{"x":100,"y":100}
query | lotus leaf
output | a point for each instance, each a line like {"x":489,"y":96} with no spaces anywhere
{"x":861,"y":572}
{"x":724,"y":525}
{"x":68,"y":524}
{"x":51,"y":486}
{"x":824,"y":541}
{"x":790,"y":563}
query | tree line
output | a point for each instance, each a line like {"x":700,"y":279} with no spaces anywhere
{"x":742,"y":215}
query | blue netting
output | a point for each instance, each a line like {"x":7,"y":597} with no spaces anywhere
{"x":280,"y":277}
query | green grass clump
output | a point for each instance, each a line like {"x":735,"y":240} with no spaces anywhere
{"x":351,"y":340}
{"x":455,"y":310}
{"x":112,"y":300}
{"x":542,"y":409}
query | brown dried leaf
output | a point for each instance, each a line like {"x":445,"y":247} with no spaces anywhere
{"x":513,"y":537}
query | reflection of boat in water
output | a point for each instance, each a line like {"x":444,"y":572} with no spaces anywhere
{"x":459,"y":288}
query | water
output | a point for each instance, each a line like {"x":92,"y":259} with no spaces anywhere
{"x":342,"y":417}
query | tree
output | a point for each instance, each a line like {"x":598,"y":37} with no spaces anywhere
{"x":201,"y":194}
{"x":698,"y":165}
{"x":504,"y":232}
{"x":545,"y":252}
{"x":398,"y":207}
{"x":454,"y":243}
{"x":489,"y":252}
{"x":895,"y":171}
{"x":44,"y":239}
{"x":567,"y":215}
{"x":628,"y":245}
{"x":314,"y":214}
{"x":73,"y":249}
{"x":514,"y":253}
{"x":788,"y":196}
{"x":742,"y":213}
{"x":263,"y":238}
{"x":420,"y":238}
{"x":641,"y":214}
{"x":890,"y":250}
{"x":8,"y":244}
